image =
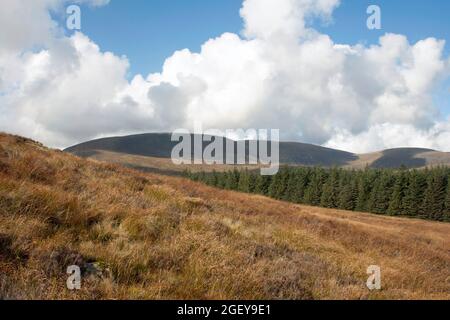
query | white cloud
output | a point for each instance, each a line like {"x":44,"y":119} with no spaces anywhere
{"x":282,"y":74}
{"x":268,"y":19}
{"x":60,"y":100}
{"x":388,"y":135}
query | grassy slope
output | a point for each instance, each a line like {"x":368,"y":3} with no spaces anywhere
{"x":144,"y":151}
{"x":160,"y":165}
{"x":165,"y":165}
{"x":159,"y":237}
{"x":160,"y":145}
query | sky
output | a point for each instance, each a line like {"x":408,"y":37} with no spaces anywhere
{"x":309,"y":67}
{"x":135,"y":30}
{"x":148,"y":32}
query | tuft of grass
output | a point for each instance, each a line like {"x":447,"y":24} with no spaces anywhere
{"x":145,"y":236}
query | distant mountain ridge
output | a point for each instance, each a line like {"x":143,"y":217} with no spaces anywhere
{"x":159,"y":145}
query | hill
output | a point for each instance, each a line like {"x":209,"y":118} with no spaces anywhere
{"x":148,"y":151}
{"x":159,"y":145}
{"x":138,"y":235}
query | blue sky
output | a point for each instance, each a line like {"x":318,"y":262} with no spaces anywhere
{"x":316,"y":92}
{"x":148,"y":32}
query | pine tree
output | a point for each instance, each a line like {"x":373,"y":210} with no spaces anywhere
{"x":349,"y":193}
{"x":434,"y":198}
{"x":371,"y":197}
{"x":418,"y":193}
{"x":212,"y":179}
{"x":259,"y":185}
{"x":412,"y":202}
{"x":221,"y":180}
{"x":366,"y":181}
{"x":262,"y":184}
{"x":278,"y":185}
{"x":201,"y":177}
{"x":447,"y":202}
{"x":313,"y":193}
{"x":398,"y":194}
{"x":252,"y":182}
{"x":232,"y":179}
{"x":330,"y":191}
{"x":381,"y":193}
{"x":290,"y":194}
{"x":244,"y":181}
{"x":303,"y":181}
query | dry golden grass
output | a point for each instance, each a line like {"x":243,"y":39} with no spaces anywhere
{"x":156,"y":165}
{"x":155,"y":237}
{"x":435,"y":159}
{"x":364,"y":160}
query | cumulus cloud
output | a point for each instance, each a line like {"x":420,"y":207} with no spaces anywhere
{"x":280,"y":74}
{"x":268,"y":19}
{"x":389,"y":135}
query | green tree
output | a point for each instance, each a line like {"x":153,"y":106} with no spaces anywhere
{"x":232,"y":180}
{"x":412,"y":202}
{"x":381,"y":193}
{"x":278,"y":186}
{"x":291,"y":186}
{"x":330,"y":190}
{"x":349,"y":192}
{"x":244,"y":181}
{"x":252,"y":182}
{"x":296,"y":185}
{"x":313,"y":193}
{"x":447,"y":201}
{"x":419,"y":193}
{"x":398,"y":194}
{"x":212,"y":179}
{"x":262,"y":184}
{"x":435,"y":194}
{"x":221,"y":180}
{"x":366,"y":181}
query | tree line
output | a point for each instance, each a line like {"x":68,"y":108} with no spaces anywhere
{"x":413,"y":193}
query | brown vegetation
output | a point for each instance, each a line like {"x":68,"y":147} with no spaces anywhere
{"x":160,"y":165}
{"x":154,"y":237}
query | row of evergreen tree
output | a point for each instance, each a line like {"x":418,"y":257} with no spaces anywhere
{"x":414,"y":193}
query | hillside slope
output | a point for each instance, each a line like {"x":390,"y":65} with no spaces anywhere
{"x":145,"y":236}
{"x":141,"y":151}
{"x":159,"y":145}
